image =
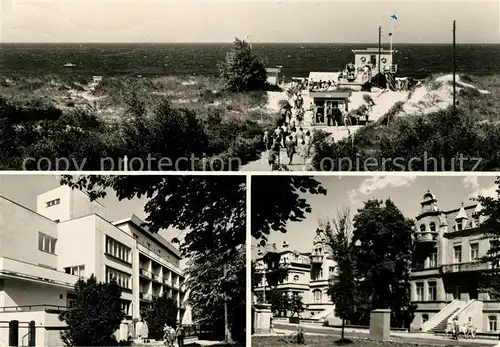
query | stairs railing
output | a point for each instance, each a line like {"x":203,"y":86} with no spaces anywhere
{"x":442,"y":314}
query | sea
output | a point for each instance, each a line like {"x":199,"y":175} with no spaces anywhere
{"x":297,"y":59}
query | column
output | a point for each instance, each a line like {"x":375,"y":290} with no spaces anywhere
{"x":441,"y":293}
{"x":380,"y":325}
{"x":135,"y":282}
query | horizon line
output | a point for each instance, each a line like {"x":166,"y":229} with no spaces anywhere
{"x":252,"y":42}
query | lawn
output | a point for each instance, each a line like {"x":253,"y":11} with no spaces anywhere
{"x":328,"y":341}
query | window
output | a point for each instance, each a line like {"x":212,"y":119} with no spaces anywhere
{"x":117,"y":250}
{"x":433,"y":259}
{"x":126,"y":307}
{"x":317,"y":296}
{"x":457,"y":254}
{"x":296,"y":278}
{"x":53,"y":202}
{"x":76,"y":270}
{"x":420,"y":291}
{"x":422,"y":227}
{"x":123,"y":279}
{"x":46,"y":243}
{"x":474,"y":251}
{"x":492,"y":323}
{"x":432,"y":226}
{"x":425,"y":318}
{"x":331,"y":271}
{"x":432,"y":291}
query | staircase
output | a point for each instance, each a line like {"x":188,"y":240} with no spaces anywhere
{"x":441,"y":326}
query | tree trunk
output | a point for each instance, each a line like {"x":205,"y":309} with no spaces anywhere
{"x":342,"y":333}
{"x":227,"y":333}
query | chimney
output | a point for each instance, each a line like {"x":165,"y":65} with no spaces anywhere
{"x":285,"y":245}
{"x":273,"y":245}
{"x":259,"y":252}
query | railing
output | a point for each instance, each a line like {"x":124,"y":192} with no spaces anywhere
{"x":145,"y":296}
{"x":316,"y":259}
{"x":159,"y":279}
{"x":34,"y":308}
{"x":426,"y":236}
{"x":466,"y":267}
{"x":145,"y":273}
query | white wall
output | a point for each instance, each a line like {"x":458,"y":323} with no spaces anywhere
{"x":78,"y":244}
{"x":73,"y":204}
{"x":19,"y":228}
{"x":25,"y":293}
{"x":60,"y":211}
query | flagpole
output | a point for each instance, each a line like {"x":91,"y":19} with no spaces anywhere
{"x":392,"y":34}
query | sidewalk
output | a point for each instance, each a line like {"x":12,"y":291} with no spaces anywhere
{"x":313,"y":329}
{"x":262,"y":163}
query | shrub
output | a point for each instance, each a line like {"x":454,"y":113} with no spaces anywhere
{"x":163,"y":310}
{"x":96,"y":315}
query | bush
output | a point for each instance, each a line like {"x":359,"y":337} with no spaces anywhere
{"x":242,"y":70}
{"x":163,"y":310}
{"x":96,"y":315}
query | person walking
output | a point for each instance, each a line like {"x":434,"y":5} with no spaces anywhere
{"x":329,"y":115}
{"x":456,"y":328}
{"x":266,"y":139}
{"x":290,"y":149}
{"x":180,"y":335}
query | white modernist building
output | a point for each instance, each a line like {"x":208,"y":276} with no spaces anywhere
{"x":43,"y":254}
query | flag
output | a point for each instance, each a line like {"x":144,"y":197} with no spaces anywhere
{"x":394,"y":17}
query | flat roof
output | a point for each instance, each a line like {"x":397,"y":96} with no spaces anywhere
{"x":138,"y":223}
{"x":273,"y":69}
{"x":372,"y":50}
{"x":333,"y":94}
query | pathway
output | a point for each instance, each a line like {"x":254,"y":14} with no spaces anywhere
{"x":283,"y":328}
{"x":262,"y":164}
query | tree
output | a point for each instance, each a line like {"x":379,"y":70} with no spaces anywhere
{"x":217,"y":291}
{"x":276,"y":200}
{"x":296,"y":304}
{"x":163,"y":310}
{"x":490,"y":211}
{"x":280,"y":302}
{"x":384,"y":248}
{"x":96,"y":315}
{"x":242,"y":70}
{"x":342,"y":287}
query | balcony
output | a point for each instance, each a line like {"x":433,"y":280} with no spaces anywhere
{"x":34,"y":308}
{"x":465,"y":267}
{"x":145,"y":273}
{"x":145,"y":296}
{"x":317,"y":259}
{"x":31,"y":272}
{"x":426,"y":237}
{"x":158,"y":278}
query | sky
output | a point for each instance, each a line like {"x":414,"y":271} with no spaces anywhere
{"x":405,"y":191}
{"x":331,"y":21}
{"x":24,"y":189}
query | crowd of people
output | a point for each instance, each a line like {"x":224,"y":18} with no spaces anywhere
{"x":289,"y":134}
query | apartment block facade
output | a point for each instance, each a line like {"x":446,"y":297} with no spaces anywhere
{"x":306,"y":274}
{"x":446,"y":274}
{"x":44,"y":253}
